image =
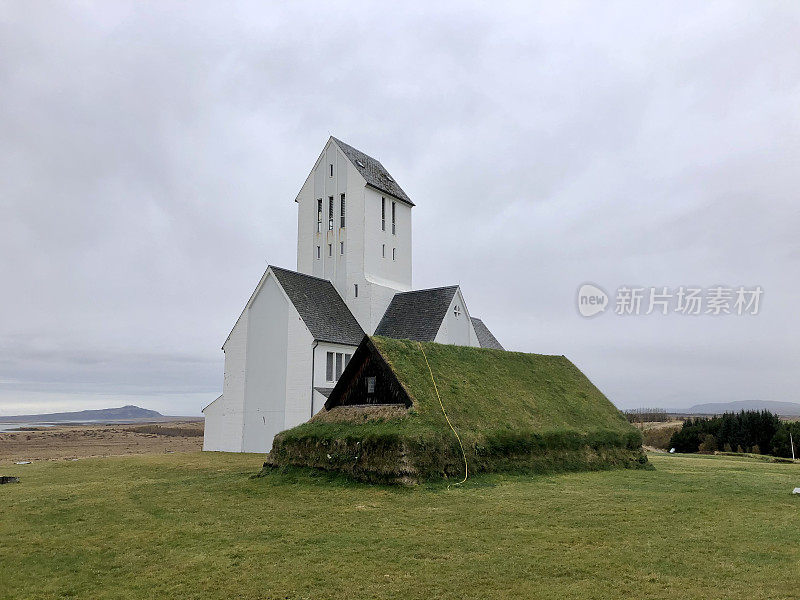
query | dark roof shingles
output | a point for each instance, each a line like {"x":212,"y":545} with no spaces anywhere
{"x":485,"y":337}
{"x":321,"y":307}
{"x":374,"y":172}
{"x":416,"y":315}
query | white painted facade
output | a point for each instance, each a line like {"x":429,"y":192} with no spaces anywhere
{"x":272,"y":361}
{"x":321,"y":379}
{"x":363,"y":253}
{"x":212,"y":435}
{"x":457,"y":326}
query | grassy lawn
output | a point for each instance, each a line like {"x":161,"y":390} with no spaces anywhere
{"x":196,"y":526}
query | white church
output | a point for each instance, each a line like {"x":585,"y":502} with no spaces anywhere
{"x":299,"y":328}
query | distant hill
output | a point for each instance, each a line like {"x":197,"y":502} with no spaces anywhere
{"x":787,"y":409}
{"x":104,"y":414}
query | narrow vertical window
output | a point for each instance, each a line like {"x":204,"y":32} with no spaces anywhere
{"x":338,"y":365}
{"x":319,"y":252}
{"x":329,"y":367}
{"x":331,"y":169}
{"x":370,"y":385}
{"x":394,"y":253}
{"x":383,"y":250}
{"x":347,"y":358}
{"x":393,"y":220}
{"x":341,"y":211}
{"x":355,"y":287}
{"x":330,"y":213}
{"x":341,"y":247}
{"x":330,"y":249}
{"x":319,"y":215}
{"x":383,"y":213}
{"x":457,"y":311}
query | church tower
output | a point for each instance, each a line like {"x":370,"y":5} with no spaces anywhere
{"x":354,"y":229}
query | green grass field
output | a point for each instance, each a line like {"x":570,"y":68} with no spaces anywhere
{"x":197,"y":526}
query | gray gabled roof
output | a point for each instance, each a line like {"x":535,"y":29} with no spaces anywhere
{"x":416,"y":315}
{"x":485,"y":337}
{"x":321,"y":307}
{"x":373,"y":171}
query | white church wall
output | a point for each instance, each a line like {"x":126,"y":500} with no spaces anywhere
{"x":473,"y":336}
{"x":380,"y":296}
{"x":380,"y":262}
{"x":212,"y":432}
{"x":457,"y":330}
{"x":306,"y":226}
{"x":320,"y":246}
{"x":387,"y":256}
{"x":320,"y":367}
{"x":354,"y":250}
{"x":319,"y":401}
{"x":267,"y":351}
{"x":231,"y":411}
{"x":299,"y":346}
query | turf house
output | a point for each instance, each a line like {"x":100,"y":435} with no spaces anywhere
{"x":393,"y":416}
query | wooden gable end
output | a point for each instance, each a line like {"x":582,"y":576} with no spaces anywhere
{"x":367,"y":380}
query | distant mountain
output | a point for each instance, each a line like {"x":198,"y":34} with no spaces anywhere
{"x":787,"y":409}
{"x":104,"y":414}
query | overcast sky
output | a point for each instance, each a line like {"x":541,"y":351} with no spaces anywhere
{"x":150,"y":154}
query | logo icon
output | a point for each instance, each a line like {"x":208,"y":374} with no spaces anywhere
{"x":592,"y":300}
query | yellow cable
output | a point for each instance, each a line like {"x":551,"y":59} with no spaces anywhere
{"x":444,"y":412}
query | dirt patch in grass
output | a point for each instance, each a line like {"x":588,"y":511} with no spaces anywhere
{"x":173,"y":431}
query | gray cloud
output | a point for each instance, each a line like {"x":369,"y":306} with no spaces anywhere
{"x":150,"y":155}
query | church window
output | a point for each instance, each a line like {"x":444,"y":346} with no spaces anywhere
{"x":383,"y":250}
{"x":338,"y":365}
{"x":457,"y":311}
{"x":329,"y":367}
{"x":319,"y":215}
{"x":394,"y":230}
{"x":341,"y":247}
{"x":330,"y":213}
{"x":331,"y":169}
{"x":355,"y":285}
{"x":330,"y":249}
{"x":341,"y":218}
{"x":383,"y":213}
{"x":319,"y":252}
{"x":394,"y":253}
{"x":370,"y":385}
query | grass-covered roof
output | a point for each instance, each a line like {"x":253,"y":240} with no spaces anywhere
{"x":485,"y":390}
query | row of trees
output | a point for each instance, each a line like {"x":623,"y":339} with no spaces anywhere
{"x":748,"y":431}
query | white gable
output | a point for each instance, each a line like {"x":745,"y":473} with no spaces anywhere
{"x":456,"y":327}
